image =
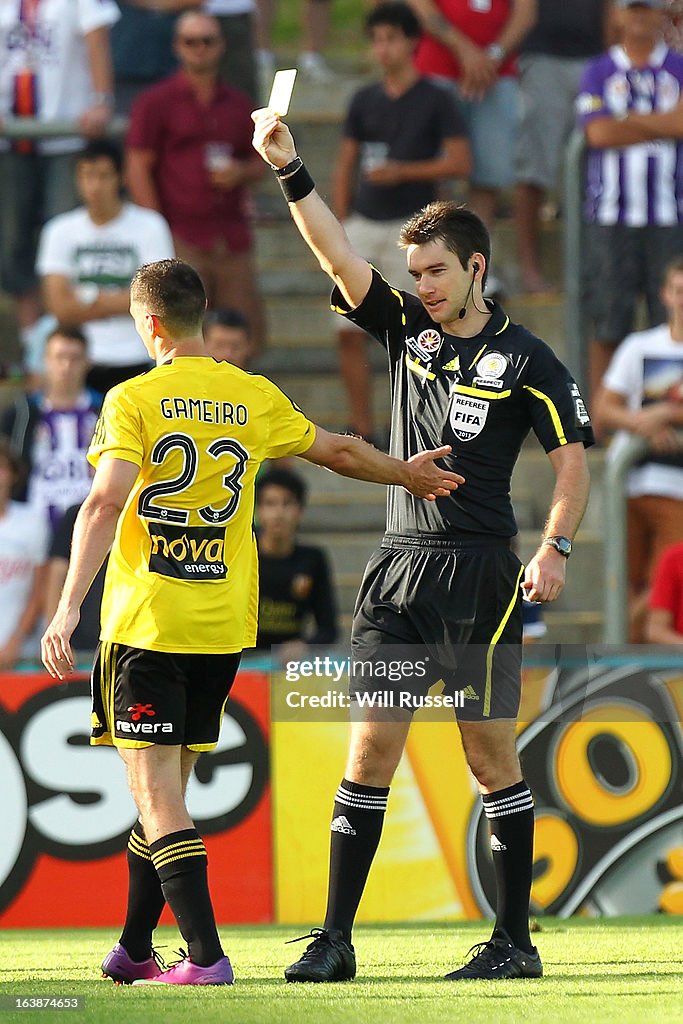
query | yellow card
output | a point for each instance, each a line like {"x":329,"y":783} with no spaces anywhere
{"x":281,"y":93}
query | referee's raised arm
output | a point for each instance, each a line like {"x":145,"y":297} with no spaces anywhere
{"x":318,"y":226}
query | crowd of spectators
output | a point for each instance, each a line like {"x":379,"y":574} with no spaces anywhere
{"x":476,"y":94}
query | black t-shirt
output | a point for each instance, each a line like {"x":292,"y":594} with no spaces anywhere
{"x":87,"y":633}
{"x":481,"y":395}
{"x":410,"y":127}
{"x":568,"y":28}
{"x":291,"y":591}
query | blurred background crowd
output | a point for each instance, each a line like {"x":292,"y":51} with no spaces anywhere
{"x":125,"y":137}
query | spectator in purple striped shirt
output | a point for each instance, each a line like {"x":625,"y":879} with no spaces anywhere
{"x":50,"y":431}
{"x":631,"y":109}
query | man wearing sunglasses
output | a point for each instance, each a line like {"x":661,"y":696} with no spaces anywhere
{"x":189,"y":156}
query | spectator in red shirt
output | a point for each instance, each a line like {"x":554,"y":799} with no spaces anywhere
{"x":665,"y":619}
{"x":472,"y":45}
{"x":189,"y":155}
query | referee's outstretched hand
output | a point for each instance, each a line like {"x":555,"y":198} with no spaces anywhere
{"x":427,"y":480}
{"x":272,"y":138}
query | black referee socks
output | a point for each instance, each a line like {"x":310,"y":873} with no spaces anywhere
{"x":145,"y":898}
{"x":356,"y":828}
{"x":180,"y":861}
{"x":510,"y":814}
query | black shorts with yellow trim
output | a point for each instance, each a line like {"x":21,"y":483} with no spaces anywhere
{"x":140,"y":698}
{"x":443,"y":609}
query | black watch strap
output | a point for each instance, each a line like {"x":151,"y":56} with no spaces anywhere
{"x":290,"y":168}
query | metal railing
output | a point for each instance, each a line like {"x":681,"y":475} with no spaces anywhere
{"x":33,"y":128}
{"x":616,"y":538}
{"x":576,"y":321}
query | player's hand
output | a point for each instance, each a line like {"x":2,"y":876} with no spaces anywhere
{"x":272,"y":138}
{"x":545,"y":575}
{"x":55,"y":646}
{"x":427,"y":480}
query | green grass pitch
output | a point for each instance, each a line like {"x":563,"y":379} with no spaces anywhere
{"x":620,"y":970}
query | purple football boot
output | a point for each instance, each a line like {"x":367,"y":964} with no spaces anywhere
{"x":118,"y":966}
{"x":187,"y":973}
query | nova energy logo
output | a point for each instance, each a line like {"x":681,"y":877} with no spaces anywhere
{"x":187,"y":552}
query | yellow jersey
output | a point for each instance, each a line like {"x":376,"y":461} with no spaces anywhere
{"x":183,"y":572}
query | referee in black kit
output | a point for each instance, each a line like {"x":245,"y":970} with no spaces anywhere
{"x":444,"y":577}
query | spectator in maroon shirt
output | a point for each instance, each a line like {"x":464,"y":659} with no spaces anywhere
{"x":189,"y":155}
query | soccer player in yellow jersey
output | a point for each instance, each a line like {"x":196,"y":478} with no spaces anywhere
{"x":176,"y":452}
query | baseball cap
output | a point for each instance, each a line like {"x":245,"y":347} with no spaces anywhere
{"x":656,"y":5}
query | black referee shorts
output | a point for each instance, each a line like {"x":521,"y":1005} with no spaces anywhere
{"x":147,"y":697}
{"x":454,"y":607}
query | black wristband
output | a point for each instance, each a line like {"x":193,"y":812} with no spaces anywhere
{"x":298,"y":185}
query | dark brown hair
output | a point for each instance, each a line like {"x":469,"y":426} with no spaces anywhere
{"x":461,"y":231}
{"x":173,"y":291}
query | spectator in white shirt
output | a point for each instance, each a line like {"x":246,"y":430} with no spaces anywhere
{"x":642,"y":395}
{"x":87,"y":258}
{"x":55,"y":65}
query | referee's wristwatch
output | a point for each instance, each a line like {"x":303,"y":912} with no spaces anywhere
{"x":561,"y":544}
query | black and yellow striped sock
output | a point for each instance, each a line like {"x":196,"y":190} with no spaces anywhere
{"x":181,"y":864}
{"x":145,"y":898}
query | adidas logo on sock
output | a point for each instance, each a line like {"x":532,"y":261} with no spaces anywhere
{"x":469,"y":693}
{"x":342,"y":824}
{"x":496,"y":844}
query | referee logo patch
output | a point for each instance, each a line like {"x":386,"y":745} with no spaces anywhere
{"x":187,"y":552}
{"x":468,"y":416}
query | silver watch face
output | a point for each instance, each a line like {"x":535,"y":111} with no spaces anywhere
{"x":561,"y":544}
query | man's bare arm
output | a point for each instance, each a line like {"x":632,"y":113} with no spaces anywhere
{"x":62,"y":301}
{"x":92,"y":538}
{"x":545,"y":574}
{"x":343,"y":177}
{"x":612,"y":413}
{"x":140,"y":165}
{"x":659,"y":627}
{"x":94,"y":121}
{"x":353,"y":457}
{"x":523,"y":16}
{"x":317,"y":225}
{"x":610,"y":132}
{"x":455,"y":161}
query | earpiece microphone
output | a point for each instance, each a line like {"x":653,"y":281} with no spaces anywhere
{"x":463,"y":312}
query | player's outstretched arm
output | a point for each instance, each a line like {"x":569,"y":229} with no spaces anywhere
{"x":318,"y":226}
{"x":93,"y":535}
{"x":545,"y":574}
{"x":351,"y":456}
